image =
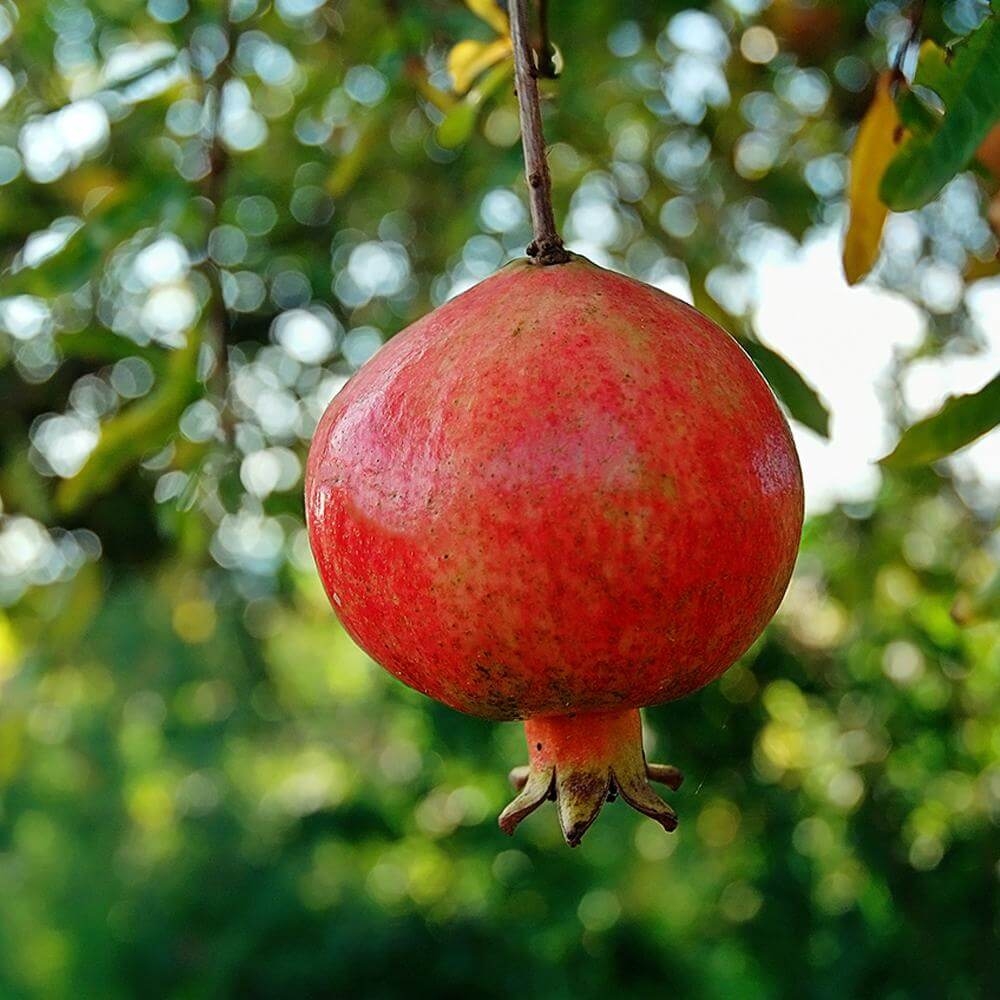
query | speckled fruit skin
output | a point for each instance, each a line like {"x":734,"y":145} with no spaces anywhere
{"x":564,"y":491}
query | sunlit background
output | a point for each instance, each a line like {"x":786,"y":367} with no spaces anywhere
{"x":209,"y":221}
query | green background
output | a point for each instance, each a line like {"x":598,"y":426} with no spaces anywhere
{"x":205,"y":789}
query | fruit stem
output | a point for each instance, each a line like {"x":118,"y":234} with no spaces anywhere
{"x":583,"y":761}
{"x":547,"y":246}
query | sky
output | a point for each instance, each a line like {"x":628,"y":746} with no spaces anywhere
{"x":844,"y":340}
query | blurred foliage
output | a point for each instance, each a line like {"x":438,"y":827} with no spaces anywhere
{"x":960,"y":420}
{"x":966,"y":80}
{"x":875,"y":144}
{"x":208,"y":222}
{"x":919,"y":133}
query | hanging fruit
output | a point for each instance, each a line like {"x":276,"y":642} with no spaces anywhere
{"x":559,"y":497}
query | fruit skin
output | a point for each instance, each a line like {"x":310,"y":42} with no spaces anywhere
{"x":563,"y":491}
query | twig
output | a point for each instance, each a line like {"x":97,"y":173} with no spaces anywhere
{"x":213,"y":188}
{"x":546,"y":63}
{"x":547,"y":246}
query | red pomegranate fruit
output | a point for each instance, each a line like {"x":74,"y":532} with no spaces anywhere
{"x":559,"y":497}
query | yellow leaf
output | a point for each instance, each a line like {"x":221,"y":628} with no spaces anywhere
{"x":488,"y":11}
{"x":977,"y":269}
{"x":416,"y":73}
{"x":469,"y":59}
{"x":879,"y":135}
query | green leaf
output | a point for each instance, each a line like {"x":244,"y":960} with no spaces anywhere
{"x":459,"y":122}
{"x":142,"y":428}
{"x":934,"y":75}
{"x":457,"y":126}
{"x":790,"y":387}
{"x":470,"y":58}
{"x":104,"y":346}
{"x":971,"y":91}
{"x":959,"y":422}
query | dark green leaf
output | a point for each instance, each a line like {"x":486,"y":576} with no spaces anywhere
{"x":915,"y":109}
{"x":971,"y":92}
{"x":790,"y":387}
{"x":959,"y":422}
{"x":106,"y":346}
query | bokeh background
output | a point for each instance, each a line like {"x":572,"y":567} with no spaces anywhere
{"x":210,"y":216}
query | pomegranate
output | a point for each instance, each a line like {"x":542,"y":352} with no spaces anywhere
{"x":559,"y":497}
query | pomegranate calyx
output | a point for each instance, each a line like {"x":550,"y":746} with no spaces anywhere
{"x":583,"y":761}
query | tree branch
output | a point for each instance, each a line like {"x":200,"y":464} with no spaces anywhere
{"x":547,"y":246}
{"x":213,"y":188}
